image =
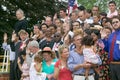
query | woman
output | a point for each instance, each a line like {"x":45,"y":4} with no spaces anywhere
{"x":61,"y":71}
{"x":48,"y":62}
{"x":104,"y":68}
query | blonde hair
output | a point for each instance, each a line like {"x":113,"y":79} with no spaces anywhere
{"x":38,"y":58}
{"x":22,"y":32}
{"x":61,"y":48}
{"x":78,"y":32}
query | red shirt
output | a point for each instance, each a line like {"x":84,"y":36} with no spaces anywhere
{"x":64,"y":74}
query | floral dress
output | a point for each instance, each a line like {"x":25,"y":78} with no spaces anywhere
{"x":104,"y":68}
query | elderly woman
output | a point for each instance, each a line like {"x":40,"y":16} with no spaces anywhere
{"x":48,"y":63}
{"x":61,"y":71}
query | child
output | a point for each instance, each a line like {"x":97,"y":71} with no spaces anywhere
{"x":23,"y":67}
{"x":89,"y":53}
{"x":36,"y":68}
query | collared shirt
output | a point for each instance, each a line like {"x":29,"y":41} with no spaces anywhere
{"x":110,"y":15}
{"x":108,"y":43}
{"x":75,"y":59}
{"x":7,"y":47}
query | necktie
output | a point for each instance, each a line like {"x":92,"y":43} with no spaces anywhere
{"x":112,"y":47}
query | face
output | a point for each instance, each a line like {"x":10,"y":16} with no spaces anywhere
{"x":44,"y":27}
{"x":66,"y":27}
{"x":116,"y":23}
{"x":36,"y":29}
{"x":82,"y":15}
{"x":53,"y":30}
{"x":62,"y":13}
{"x":46,"y":56}
{"x":95,"y":38}
{"x":77,"y":40}
{"x":57,"y":37}
{"x":65,"y":53}
{"x":23,"y":36}
{"x":76,"y":25}
{"x":112,"y":7}
{"x":95,"y":10}
{"x":19,"y":15}
{"x":88,"y":15}
{"x":48,"y":21}
{"x":57,"y":23}
{"x":32,"y":49}
{"x":95,"y":19}
{"x":74,"y":17}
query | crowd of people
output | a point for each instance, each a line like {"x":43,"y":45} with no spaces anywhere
{"x":82,"y":46}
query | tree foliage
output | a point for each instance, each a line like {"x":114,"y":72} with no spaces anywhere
{"x":35,"y":10}
{"x":103,"y":4}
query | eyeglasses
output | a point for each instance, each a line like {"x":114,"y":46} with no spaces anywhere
{"x":56,"y":36}
{"x":75,"y":25}
{"x":115,"y":22}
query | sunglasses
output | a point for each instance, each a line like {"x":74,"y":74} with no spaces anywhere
{"x":115,"y":22}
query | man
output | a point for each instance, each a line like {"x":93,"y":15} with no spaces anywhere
{"x":95,"y":10}
{"x":32,"y":50}
{"x":112,"y":46}
{"x":22,"y":22}
{"x":7,"y":47}
{"x":76,"y":61}
{"x":48,"y":20}
{"x":63,"y":15}
{"x":74,"y":16}
{"x":112,"y":9}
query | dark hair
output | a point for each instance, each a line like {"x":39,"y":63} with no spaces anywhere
{"x":116,"y":17}
{"x":112,"y":2}
{"x":43,"y":24}
{"x":38,"y":25}
{"x":63,"y":9}
{"x":88,"y":40}
{"x":96,"y":6}
{"x":81,"y":8}
{"x":103,"y":14}
{"x":87,"y":31}
{"x":53,"y":25}
{"x":96,"y":32}
{"x":108,"y":28}
{"x":89,"y":11}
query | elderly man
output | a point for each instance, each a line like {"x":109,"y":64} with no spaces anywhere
{"x":32,"y":50}
{"x":22,"y":22}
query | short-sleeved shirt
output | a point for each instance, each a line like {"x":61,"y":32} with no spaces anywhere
{"x":64,"y":74}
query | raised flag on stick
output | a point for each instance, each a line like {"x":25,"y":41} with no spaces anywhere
{"x":72,"y":5}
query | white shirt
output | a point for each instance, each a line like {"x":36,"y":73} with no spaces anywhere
{"x":110,"y":15}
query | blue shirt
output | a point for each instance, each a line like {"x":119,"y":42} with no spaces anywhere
{"x":108,"y":44}
{"x":75,"y":59}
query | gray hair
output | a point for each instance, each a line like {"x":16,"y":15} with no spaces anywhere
{"x":33,"y":43}
{"x":21,"y":11}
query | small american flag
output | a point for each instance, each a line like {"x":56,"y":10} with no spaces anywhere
{"x":72,"y":5}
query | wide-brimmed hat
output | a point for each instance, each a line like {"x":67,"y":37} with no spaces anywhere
{"x":47,"y":49}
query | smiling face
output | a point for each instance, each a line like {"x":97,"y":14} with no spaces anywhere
{"x":116,"y":23}
{"x":65,"y":53}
